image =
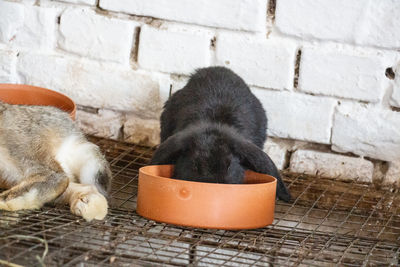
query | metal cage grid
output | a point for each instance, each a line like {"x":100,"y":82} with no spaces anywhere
{"x":329,"y":223}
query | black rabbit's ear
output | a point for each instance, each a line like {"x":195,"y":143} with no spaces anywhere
{"x":253,"y":158}
{"x":168,"y":150}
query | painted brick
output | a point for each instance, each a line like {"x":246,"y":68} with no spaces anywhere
{"x":164,"y":81}
{"x":246,"y":15}
{"x":27,"y":26}
{"x":392,"y":176}
{"x":86,"y":2}
{"x":356,"y":21}
{"x":173,"y":52}
{"x":395,"y":100}
{"x":93,"y":84}
{"x":366,"y":131}
{"x":178,"y":83}
{"x":333,"y":20}
{"x":297,"y":116}
{"x":11,"y":20}
{"x":141,"y":131}
{"x":342,"y":74}
{"x":264,"y":63}
{"x":94,"y":36}
{"x":276,"y":150}
{"x":331,"y":165}
{"x":38,"y":31}
{"x":8,"y":61}
{"x":381,"y":24}
{"x":104,"y":123}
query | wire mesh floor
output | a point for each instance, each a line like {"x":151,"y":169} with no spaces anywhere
{"x":329,"y":223}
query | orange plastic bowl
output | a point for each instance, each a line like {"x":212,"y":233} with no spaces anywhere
{"x":22,"y":94}
{"x":206,"y":205}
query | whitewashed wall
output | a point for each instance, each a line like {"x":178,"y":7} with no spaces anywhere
{"x":327,"y":72}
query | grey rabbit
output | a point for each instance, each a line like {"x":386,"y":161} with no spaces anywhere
{"x":214,"y":129}
{"x":45,"y":158}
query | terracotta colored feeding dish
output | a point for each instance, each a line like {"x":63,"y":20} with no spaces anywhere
{"x":206,"y":205}
{"x":22,"y":94}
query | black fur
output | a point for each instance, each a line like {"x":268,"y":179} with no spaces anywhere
{"x":214,"y":129}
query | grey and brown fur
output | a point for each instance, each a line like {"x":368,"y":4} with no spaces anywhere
{"x":45,"y":158}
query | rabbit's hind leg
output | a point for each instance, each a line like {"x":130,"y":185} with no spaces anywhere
{"x":92,"y":177}
{"x":35,"y":190}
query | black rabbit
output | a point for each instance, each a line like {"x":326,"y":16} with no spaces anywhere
{"x":214,"y":129}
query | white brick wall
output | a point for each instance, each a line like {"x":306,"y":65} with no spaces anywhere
{"x":298,"y":116}
{"x":93,"y":84}
{"x":367,"y":131}
{"x":90,"y":35}
{"x":174,"y":52}
{"x":393,"y":174}
{"x":27,"y":26}
{"x":265,"y":63}
{"x":331,"y":165}
{"x":38,"y":29}
{"x":11,"y":20}
{"x":87,"y":2}
{"x":373,"y":23}
{"x":395,"y":100}
{"x":246,"y":15}
{"x":311,"y":64}
{"x":322,"y":19}
{"x":140,"y":131}
{"x":342,"y":74}
{"x":8,"y":61}
{"x":103,"y":123}
{"x":277,"y":151}
{"x":381,"y":24}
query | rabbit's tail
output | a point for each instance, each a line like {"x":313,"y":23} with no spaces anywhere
{"x":84,"y":161}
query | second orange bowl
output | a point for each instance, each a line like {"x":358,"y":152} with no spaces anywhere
{"x":206,"y":205}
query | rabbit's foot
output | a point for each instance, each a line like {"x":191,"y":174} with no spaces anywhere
{"x":89,"y":204}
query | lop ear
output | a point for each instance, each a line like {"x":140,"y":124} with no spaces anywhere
{"x":168,"y":150}
{"x":253,"y":158}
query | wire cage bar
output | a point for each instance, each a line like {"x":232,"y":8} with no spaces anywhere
{"x":329,"y":223}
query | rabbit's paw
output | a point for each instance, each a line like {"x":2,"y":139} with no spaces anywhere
{"x":90,"y":205}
